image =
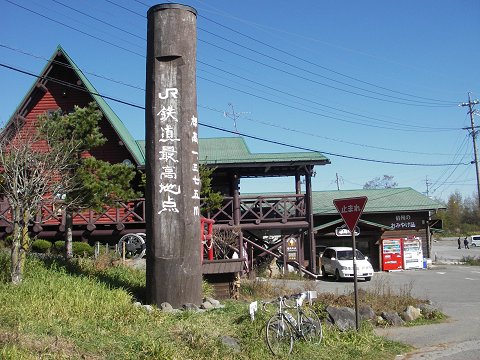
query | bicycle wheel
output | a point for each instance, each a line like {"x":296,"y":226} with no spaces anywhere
{"x":310,"y":326}
{"x":279,"y":336}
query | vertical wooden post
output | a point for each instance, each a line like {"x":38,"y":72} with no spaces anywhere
{"x":173,"y":179}
{"x":310,"y":246}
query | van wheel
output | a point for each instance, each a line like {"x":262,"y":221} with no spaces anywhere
{"x":324,"y":273}
{"x":337,"y":275}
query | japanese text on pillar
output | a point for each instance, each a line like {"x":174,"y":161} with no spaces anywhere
{"x":169,"y":156}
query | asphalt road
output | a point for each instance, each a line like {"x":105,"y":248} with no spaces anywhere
{"x":454,"y":288}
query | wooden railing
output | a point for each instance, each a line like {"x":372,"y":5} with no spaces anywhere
{"x":132,"y":212}
{"x":261,"y":209}
{"x":251,"y":210}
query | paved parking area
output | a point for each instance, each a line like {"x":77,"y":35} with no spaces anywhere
{"x":454,"y":287}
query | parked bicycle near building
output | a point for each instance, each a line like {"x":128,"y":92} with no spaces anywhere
{"x":284,"y":328}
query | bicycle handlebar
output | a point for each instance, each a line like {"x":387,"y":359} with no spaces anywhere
{"x":300,"y":297}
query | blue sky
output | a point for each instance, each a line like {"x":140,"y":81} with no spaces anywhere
{"x":375,"y":80}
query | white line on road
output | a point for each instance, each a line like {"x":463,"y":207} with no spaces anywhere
{"x":441,"y":272}
{"x":470,"y":279}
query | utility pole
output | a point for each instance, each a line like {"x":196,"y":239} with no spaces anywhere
{"x":473,"y":132}
{"x":427,"y":184}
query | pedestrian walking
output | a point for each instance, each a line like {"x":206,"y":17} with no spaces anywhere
{"x":465,"y":243}
{"x":459,"y":243}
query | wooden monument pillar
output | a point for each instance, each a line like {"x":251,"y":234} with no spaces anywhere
{"x":173,"y":180}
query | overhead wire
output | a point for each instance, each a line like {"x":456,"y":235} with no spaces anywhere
{"x":216,"y":110}
{"x":99,"y":20}
{"x":451,"y":103}
{"x":137,"y":87}
{"x":311,"y":62}
{"x":435,"y":187}
{"x":418,"y":103}
{"x":77,"y":87}
{"x":322,"y":137}
{"x":257,"y":96}
{"x":74,"y":28}
{"x":327,"y":106}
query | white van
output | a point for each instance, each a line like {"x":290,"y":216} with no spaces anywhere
{"x":475,"y":240}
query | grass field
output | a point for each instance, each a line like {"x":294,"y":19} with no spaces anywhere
{"x":84,"y":310}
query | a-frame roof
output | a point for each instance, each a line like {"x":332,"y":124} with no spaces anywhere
{"x":225,"y":152}
{"x":107,"y":111}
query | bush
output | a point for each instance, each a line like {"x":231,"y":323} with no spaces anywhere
{"x":79,"y":248}
{"x":59,"y":246}
{"x":8,"y":240}
{"x":41,"y":246}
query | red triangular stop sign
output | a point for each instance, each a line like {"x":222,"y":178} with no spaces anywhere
{"x":350,"y":209}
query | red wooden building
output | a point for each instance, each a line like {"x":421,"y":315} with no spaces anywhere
{"x":289,"y":217}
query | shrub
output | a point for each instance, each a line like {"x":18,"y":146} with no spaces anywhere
{"x":9,"y":240}
{"x":59,"y":246}
{"x":471,"y":260}
{"x":207,"y":289}
{"x":41,"y":246}
{"x":80,"y":249}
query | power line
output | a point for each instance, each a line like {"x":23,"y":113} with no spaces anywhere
{"x":99,"y":20}
{"x":68,"y":66}
{"x":270,"y":100}
{"x":301,"y":109}
{"x":320,"y":104}
{"x":324,"y":152}
{"x":322,"y":137}
{"x":215,"y":110}
{"x":76,"y":87}
{"x":224,"y":130}
{"x":318,"y":82}
{"x":315,"y":113}
{"x":74,"y":28}
{"x":419,"y":103}
{"x":308,"y":62}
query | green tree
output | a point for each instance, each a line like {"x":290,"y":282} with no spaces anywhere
{"x":453,"y":214}
{"x":96,"y":183}
{"x":211,"y":199}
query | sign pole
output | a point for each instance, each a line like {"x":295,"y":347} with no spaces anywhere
{"x":350,"y":210}
{"x":355,"y":281}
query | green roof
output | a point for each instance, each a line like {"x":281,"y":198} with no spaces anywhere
{"x":379,"y":200}
{"x":234,"y":150}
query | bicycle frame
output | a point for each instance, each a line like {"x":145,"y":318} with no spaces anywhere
{"x":282,"y":328}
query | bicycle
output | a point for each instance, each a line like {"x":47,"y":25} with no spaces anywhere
{"x":283,"y":329}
